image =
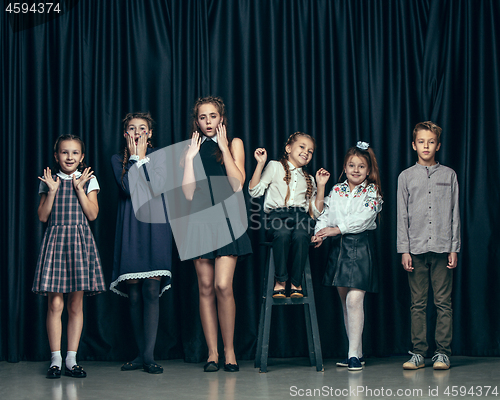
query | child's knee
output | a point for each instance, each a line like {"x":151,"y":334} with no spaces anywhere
{"x":56,"y":304}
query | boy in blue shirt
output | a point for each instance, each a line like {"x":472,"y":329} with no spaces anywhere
{"x":428,"y":236}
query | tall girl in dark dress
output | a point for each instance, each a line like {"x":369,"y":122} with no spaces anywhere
{"x":143,"y":251}
{"x":221,"y":156}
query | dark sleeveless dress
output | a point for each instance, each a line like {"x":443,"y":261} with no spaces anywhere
{"x":69,"y":260}
{"x":200,"y":232}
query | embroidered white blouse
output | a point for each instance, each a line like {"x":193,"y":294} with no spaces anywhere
{"x":272,"y":184}
{"x":352,"y":212}
{"x":93,"y":184}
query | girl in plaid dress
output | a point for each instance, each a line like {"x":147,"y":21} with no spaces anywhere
{"x":69,"y":261}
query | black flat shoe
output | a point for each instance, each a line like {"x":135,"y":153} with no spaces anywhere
{"x":54,"y":372}
{"x":231,"y":367}
{"x":296,"y":293}
{"x":211,"y":366}
{"x":130,"y":366}
{"x":75,"y":372}
{"x":279,"y":294}
{"x":153,"y":368}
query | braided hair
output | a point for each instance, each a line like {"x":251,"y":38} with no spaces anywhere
{"x":218,"y":103}
{"x":146,"y":116}
{"x":284,"y":161}
{"x":68,"y":136}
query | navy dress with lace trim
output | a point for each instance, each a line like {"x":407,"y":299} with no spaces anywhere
{"x":142,"y":250}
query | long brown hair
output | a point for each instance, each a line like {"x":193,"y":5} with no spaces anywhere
{"x":369,"y":156}
{"x":68,"y":136}
{"x":284,"y":161}
{"x":146,"y":116}
{"x":221,"y":109}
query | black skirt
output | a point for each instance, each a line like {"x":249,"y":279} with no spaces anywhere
{"x":350,"y":263}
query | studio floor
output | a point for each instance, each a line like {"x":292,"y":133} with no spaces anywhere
{"x":382,"y":378}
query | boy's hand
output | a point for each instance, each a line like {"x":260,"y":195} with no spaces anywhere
{"x":452,"y":260}
{"x":406,"y":261}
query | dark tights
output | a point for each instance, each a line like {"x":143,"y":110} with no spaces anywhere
{"x":144,"y":311}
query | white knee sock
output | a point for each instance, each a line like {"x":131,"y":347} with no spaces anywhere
{"x":70,"y":359}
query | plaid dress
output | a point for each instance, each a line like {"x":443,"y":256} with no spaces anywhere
{"x":69,"y":260}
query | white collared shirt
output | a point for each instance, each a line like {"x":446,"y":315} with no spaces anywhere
{"x":352,"y":212}
{"x":214,"y":138}
{"x":272,"y":184}
{"x":93,"y":184}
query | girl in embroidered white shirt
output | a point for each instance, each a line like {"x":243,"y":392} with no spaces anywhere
{"x":351,"y":209}
{"x":291,"y":200}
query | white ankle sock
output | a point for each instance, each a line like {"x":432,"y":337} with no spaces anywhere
{"x":70,"y":359}
{"x":56,"y":359}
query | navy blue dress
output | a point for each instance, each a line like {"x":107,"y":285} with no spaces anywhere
{"x":142,"y":250}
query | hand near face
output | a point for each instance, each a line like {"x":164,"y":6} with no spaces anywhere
{"x":142,"y":146}
{"x":79,"y":183}
{"x":222,"y":138}
{"x":322,"y":176}
{"x":52,"y":184}
{"x":132,"y":149}
{"x":194,"y":147}
{"x":260,"y":155}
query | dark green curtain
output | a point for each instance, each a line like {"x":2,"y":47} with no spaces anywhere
{"x":340,"y":70}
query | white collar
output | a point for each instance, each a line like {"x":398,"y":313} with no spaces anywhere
{"x":293,"y":167}
{"x":62,"y":175}
{"x":214,"y":138}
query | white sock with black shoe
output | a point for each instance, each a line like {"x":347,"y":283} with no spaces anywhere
{"x":56,"y":359}
{"x":70,"y":359}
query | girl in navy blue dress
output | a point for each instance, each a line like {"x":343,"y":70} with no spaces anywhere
{"x":221,"y":156}
{"x":143,"y":251}
{"x":69,"y":262}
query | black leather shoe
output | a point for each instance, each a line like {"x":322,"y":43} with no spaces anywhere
{"x":211,"y":366}
{"x":231,"y":367}
{"x":279,"y":294}
{"x":54,"y":372}
{"x":130,"y":366}
{"x":153,"y":368}
{"x":75,"y":372}
{"x":296,"y":293}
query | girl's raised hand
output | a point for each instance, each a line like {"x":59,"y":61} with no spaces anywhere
{"x":52,"y":184}
{"x":194,"y":147}
{"x":142,"y":146}
{"x":222,"y":138}
{"x":79,"y":183}
{"x":260,"y":155}
{"x":132,"y":149}
{"x":322,"y":176}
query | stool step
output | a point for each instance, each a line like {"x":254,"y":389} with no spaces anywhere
{"x":313,"y":341}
